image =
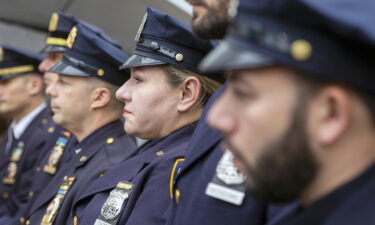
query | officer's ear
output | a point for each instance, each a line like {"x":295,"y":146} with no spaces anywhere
{"x":189,"y":94}
{"x":330,"y":115}
{"x":34,"y":84}
{"x":100,"y":97}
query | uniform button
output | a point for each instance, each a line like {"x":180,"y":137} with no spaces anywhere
{"x":78,"y":150}
{"x":31,"y":194}
{"x":83,"y":159}
{"x":37,"y":169}
{"x":110,"y":140}
{"x":44,"y":121}
{"x":177,"y":195}
{"x":22,"y":220}
{"x":160,"y":153}
{"x":75,"y":220}
{"x":5,"y":195}
{"x":51,"y":130}
{"x":27,"y":222}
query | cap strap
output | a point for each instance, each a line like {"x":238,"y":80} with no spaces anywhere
{"x":16,"y":69}
{"x":56,"y":41}
{"x":153,"y":45}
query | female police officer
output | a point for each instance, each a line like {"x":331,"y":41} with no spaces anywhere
{"x":164,"y":98}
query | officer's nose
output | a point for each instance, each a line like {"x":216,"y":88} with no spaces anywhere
{"x":123,"y":94}
{"x":45,"y":65}
{"x":220,"y":116}
{"x":51,"y":89}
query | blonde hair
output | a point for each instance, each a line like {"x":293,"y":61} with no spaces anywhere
{"x":176,"y":75}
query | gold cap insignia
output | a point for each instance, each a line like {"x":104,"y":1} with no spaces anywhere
{"x":72,"y":37}
{"x":140,"y":29}
{"x":53,"y":22}
{"x":301,"y":50}
{"x":1,"y":54}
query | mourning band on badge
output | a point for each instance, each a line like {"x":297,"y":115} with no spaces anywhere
{"x":56,"y":153}
{"x":55,"y":204}
{"x":115,"y":204}
{"x":228,"y":184}
{"x":12,"y":168}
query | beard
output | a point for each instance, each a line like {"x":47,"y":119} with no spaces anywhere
{"x":214,"y":23}
{"x":285,"y":167}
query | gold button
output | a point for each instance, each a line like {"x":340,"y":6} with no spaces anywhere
{"x":78,"y":151}
{"x":160,"y":153}
{"x":75,"y":220}
{"x":22,"y":220}
{"x":31,"y":194}
{"x":83,"y":158}
{"x":51,"y":130}
{"x":179,"y":57}
{"x":110,"y":140}
{"x":101,"y":72}
{"x":301,"y":50}
{"x":177,"y":195}
{"x":5,"y":195}
{"x":101,"y":174}
{"x":27,"y":222}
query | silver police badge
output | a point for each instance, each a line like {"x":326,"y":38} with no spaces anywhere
{"x":227,"y":172}
{"x":112,"y":206}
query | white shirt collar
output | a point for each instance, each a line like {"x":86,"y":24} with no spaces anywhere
{"x":20,"y":127}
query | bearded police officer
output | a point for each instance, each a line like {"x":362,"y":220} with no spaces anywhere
{"x":298,"y":112}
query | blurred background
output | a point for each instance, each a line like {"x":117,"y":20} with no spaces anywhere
{"x":24,"y":23}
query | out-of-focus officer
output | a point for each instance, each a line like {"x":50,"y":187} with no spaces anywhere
{"x":59,"y":27}
{"x":211,"y":189}
{"x":298,"y":112}
{"x":32,"y":128}
{"x":83,"y":102}
{"x":164,"y":99}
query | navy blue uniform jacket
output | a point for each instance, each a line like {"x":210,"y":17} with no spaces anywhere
{"x":39,"y":135}
{"x":101,"y":150}
{"x":150,"y":172}
{"x":194,"y":207}
{"x":351,"y":204}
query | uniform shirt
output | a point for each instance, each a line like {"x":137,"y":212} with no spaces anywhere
{"x":193,"y":206}
{"x":352,"y":203}
{"x":149,"y":173}
{"x":35,"y":133}
{"x":92,"y":157}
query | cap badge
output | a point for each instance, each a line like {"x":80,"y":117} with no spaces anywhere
{"x":100,"y":72}
{"x":72,"y":37}
{"x":301,"y":50}
{"x":53,"y":22}
{"x":140,"y":29}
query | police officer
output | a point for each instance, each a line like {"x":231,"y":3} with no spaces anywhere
{"x":164,"y":98}
{"x":298,"y":110}
{"x":32,"y":128}
{"x":59,"y":27}
{"x":206,"y":176}
{"x":82,"y":100}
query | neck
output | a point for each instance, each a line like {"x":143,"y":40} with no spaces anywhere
{"x":340,"y":165}
{"x":184,"y":119}
{"x":33,"y":104}
{"x":91,"y":123}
